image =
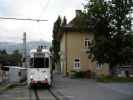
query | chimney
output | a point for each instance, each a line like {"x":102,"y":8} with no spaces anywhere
{"x":78,"y":13}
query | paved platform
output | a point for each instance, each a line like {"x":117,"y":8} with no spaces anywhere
{"x":86,"y":89}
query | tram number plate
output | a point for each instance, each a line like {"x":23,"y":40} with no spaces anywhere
{"x":39,"y":55}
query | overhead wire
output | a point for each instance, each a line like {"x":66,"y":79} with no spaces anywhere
{"x":45,"y":6}
{"x":29,"y":19}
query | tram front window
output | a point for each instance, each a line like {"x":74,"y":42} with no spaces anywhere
{"x":41,"y":62}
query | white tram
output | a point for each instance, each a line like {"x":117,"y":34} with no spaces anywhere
{"x":39,"y":72}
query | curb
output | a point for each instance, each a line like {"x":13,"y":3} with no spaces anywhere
{"x":20,"y":84}
{"x":58,"y":95}
{"x":54,"y":94}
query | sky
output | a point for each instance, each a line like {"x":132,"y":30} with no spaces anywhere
{"x":12,"y":31}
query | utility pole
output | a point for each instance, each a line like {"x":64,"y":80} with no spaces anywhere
{"x":24,"y":51}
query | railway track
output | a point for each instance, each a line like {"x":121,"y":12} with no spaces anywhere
{"x":42,"y":94}
{"x":24,"y":93}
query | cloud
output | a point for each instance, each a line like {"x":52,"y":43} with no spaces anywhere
{"x":11,"y":30}
{"x":3,"y":6}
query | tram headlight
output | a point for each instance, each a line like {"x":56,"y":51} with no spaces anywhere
{"x":31,"y":77}
{"x":46,"y":76}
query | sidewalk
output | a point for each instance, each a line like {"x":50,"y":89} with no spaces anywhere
{"x":85,"y":89}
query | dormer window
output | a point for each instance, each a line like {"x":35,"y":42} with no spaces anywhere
{"x":87,"y":43}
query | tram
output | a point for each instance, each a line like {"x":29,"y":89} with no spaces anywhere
{"x":40,"y":70}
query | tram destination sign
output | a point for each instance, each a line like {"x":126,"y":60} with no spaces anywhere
{"x":39,"y":54}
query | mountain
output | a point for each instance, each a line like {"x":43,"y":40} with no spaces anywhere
{"x":11,"y":46}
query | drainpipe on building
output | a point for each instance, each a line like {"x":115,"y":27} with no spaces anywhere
{"x":66,"y":73}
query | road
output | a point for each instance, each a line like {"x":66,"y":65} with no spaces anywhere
{"x":87,"y":89}
{"x":23,"y":93}
{"x":72,"y":89}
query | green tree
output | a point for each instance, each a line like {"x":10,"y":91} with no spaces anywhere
{"x":55,"y":41}
{"x":3,"y":57}
{"x":10,"y":59}
{"x":64,"y":22}
{"x":16,"y":57}
{"x":3,"y":52}
{"x":113,"y":41}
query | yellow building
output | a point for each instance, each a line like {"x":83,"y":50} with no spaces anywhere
{"x":73,"y":50}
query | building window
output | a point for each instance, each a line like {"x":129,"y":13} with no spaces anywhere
{"x":87,"y":43}
{"x":99,"y":65}
{"x":77,"y":63}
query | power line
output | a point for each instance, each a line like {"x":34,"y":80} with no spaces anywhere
{"x":29,"y":19}
{"x":44,"y":7}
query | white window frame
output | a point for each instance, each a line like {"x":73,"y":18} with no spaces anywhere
{"x":87,"y":43}
{"x":76,"y":63}
{"x":99,"y":65}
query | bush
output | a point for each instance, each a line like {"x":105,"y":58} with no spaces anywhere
{"x":81,"y":74}
{"x":77,"y":74}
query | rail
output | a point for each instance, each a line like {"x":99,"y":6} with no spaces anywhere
{"x":36,"y":95}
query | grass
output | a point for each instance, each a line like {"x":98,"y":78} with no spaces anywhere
{"x":1,"y":86}
{"x":4,"y":87}
{"x":109,"y":79}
